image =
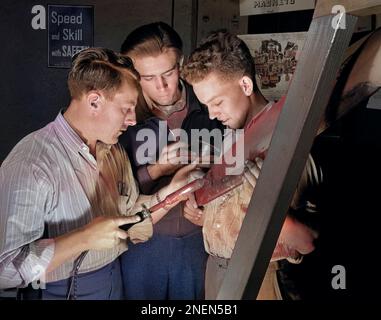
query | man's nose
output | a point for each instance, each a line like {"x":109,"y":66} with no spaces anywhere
{"x":130,"y":120}
{"x":161,"y":84}
{"x":212,"y":113}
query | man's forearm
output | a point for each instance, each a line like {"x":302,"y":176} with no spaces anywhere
{"x":25,"y":264}
{"x":149,"y":201}
{"x":154,"y":171}
{"x":67,"y":246}
{"x":146,"y":182}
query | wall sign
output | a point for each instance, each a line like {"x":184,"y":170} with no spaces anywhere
{"x":251,"y":7}
{"x":70,"y":30}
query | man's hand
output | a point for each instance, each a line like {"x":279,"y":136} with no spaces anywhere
{"x":180,"y":179}
{"x":172,"y":157}
{"x":295,"y":239}
{"x":104,"y":232}
{"x":192,"y":212}
{"x":141,"y":232}
{"x":252,"y":170}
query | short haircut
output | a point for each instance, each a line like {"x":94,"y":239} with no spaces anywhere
{"x":151,"y":40}
{"x":223,"y":53}
{"x":100,"y":69}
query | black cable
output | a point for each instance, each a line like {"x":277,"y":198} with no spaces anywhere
{"x":73,"y":279}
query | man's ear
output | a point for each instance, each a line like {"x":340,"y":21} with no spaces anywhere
{"x":94,"y":99}
{"x":246,"y":85}
{"x":181,"y":61}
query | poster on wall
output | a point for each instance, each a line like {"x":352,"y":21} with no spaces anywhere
{"x":252,"y":7}
{"x":70,"y":30}
{"x":275,"y":57}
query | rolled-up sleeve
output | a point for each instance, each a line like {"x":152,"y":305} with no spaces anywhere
{"x":307,"y":189}
{"x":25,"y":201}
{"x":140,"y":166}
{"x":145,"y":181}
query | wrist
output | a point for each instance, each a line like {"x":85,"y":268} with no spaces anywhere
{"x":157,"y":195}
{"x":163,"y":193}
{"x":81,"y":238}
{"x":155,"y":171}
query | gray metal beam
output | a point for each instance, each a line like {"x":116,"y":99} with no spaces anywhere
{"x":306,"y":100}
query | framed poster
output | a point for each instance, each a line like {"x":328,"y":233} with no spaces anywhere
{"x":70,"y":30}
{"x":252,"y":7}
{"x":275,"y":57}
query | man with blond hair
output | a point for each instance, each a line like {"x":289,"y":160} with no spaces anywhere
{"x":172,"y":264}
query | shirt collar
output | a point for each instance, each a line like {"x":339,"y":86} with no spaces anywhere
{"x":267,"y":106}
{"x":71,"y":139}
{"x":177,"y":106}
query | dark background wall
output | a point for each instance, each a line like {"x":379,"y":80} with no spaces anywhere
{"x":31,"y":93}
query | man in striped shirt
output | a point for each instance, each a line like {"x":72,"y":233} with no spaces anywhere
{"x":51,"y":201}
